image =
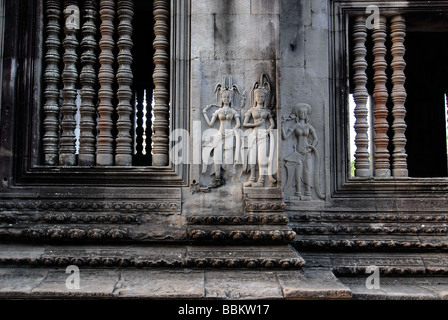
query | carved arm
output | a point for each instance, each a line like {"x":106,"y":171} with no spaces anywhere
{"x":313,"y":135}
{"x":212,"y":121}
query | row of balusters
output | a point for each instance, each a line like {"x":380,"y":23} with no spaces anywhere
{"x":105,"y":126}
{"x":384,"y":164}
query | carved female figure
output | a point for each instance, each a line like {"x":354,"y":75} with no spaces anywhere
{"x":261,"y":139}
{"x":299,"y":163}
{"x":222,"y":142}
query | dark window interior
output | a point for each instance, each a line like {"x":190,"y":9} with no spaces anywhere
{"x":426,"y":85}
{"x":143,"y":68}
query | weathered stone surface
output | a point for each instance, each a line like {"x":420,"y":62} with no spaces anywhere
{"x":397,"y":225}
{"x":161,"y":284}
{"x":20,"y":281}
{"x":316,"y":261}
{"x":15,"y":253}
{"x":130,"y":283}
{"x":264,"y":7}
{"x":390,"y":289}
{"x":92,"y":284}
{"x":315,"y":283}
{"x":227,"y":199}
{"x":109,"y":256}
{"x":242,"y":285}
{"x":436,"y":285}
{"x":160,"y":227}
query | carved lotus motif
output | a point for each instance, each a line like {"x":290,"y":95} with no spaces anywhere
{"x":109,"y":262}
{"x":198,"y":234}
{"x":55,"y":233}
{"x":76,"y":234}
{"x":34,"y":233}
{"x":117,"y":234}
{"x":251,"y":263}
{"x":218,"y":235}
{"x":114,"y":218}
{"x":151,"y":206}
{"x":101,"y":219}
{"x":269,"y":263}
{"x":276,"y":235}
{"x":96,"y":234}
{"x":238,"y":235}
{"x":194,"y":220}
{"x":217,"y":263}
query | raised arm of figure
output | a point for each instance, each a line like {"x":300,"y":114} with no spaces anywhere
{"x":286,"y":134}
{"x":214,"y":117}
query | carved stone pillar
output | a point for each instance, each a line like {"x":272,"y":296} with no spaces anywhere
{"x":124,"y":77}
{"x":161,"y":79}
{"x":148,"y":131}
{"x":381,"y":126}
{"x":67,"y":155}
{"x":139,"y":130}
{"x":52,"y":77}
{"x":361,"y":96}
{"x":87,"y":147}
{"x":398,"y":33}
{"x":105,"y":151}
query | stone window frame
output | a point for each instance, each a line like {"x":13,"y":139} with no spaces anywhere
{"x":22,"y":99}
{"x":343,"y":184}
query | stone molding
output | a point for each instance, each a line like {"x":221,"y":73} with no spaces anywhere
{"x":275,"y":219}
{"x":363,"y":217}
{"x":374,"y":244}
{"x":370,"y":230}
{"x":120,"y":206}
{"x":393,"y":264}
{"x":159,"y":257}
{"x":275,"y":236}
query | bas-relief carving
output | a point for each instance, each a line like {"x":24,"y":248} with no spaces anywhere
{"x":302,"y":164}
{"x":246,"y":139}
{"x":222,"y":145}
{"x":244,"y":144}
{"x":260,"y":120}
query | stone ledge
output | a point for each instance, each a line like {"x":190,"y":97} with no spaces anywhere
{"x":404,"y":288}
{"x":315,"y":281}
{"x":396,"y":264}
{"x":174,"y":256}
{"x":130,"y":283}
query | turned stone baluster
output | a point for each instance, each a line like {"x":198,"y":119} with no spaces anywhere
{"x":87,"y":141}
{"x":148,"y":122}
{"x":105,"y":140}
{"x":398,"y":33}
{"x":67,"y":155}
{"x":160,"y":79}
{"x":381,"y":126}
{"x":124,"y":77}
{"x":361,"y":96}
{"x":52,"y":78}
{"x":140,"y":99}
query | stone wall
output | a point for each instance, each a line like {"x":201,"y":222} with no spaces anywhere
{"x":289,"y":52}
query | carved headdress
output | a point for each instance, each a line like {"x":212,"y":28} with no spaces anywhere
{"x":264,"y":86}
{"x":302,"y":106}
{"x":226,"y":87}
